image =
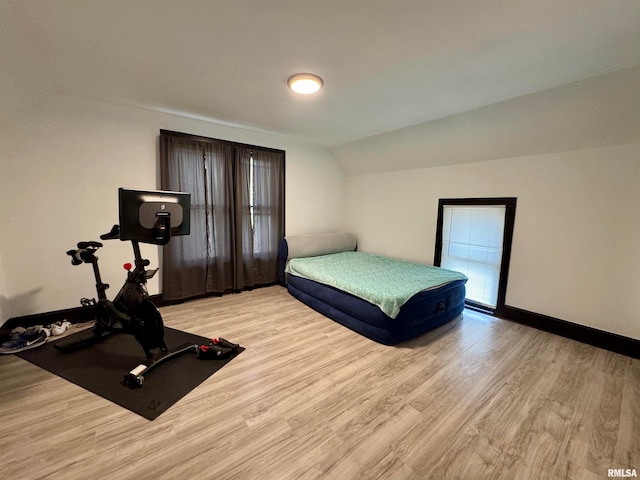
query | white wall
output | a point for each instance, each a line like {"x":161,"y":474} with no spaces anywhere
{"x":3,"y":226}
{"x":3,"y":289}
{"x":571,"y":155}
{"x":62,"y":164}
{"x":575,"y":249}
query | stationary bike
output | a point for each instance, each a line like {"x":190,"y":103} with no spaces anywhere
{"x":131,"y":311}
{"x":145,"y":216}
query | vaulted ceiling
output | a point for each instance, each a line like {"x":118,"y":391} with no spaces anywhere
{"x":387,"y":64}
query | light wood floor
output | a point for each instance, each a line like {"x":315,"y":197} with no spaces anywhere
{"x":486,"y":399}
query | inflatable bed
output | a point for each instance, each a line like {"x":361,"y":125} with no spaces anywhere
{"x":381,"y":298}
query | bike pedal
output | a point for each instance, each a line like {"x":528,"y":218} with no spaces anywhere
{"x":87,"y":302}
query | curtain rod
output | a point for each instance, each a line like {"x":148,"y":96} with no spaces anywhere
{"x":199,"y":138}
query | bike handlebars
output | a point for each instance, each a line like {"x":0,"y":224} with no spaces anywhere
{"x":111,"y":235}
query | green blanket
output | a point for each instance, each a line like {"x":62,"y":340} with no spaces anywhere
{"x":383,"y":281}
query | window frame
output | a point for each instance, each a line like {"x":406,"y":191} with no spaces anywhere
{"x":507,"y":241}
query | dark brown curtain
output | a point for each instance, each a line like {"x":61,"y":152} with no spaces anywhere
{"x":237,"y":215}
{"x":259,"y":215}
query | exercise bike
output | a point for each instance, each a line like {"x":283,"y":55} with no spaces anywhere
{"x":131,"y":311}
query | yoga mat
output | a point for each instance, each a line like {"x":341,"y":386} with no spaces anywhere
{"x":100,"y":368}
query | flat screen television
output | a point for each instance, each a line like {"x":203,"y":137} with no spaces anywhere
{"x":153,"y":216}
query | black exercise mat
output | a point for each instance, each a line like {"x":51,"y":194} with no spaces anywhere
{"x":101,"y":367}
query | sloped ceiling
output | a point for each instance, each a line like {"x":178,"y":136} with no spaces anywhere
{"x":596,"y":112}
{"x":386,"y":64}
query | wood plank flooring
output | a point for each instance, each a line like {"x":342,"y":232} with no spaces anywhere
{"x":309,"y":399}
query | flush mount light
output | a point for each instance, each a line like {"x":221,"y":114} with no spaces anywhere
{"x":305,"y":83}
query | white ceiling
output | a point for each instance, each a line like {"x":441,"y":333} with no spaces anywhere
{"x":387,"y":64}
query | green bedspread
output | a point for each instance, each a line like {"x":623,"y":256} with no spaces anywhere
{"x":385,"y":282}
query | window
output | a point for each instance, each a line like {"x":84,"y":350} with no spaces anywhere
{"x":237,"y":214}
{"x":252,"y":194}
{"x":474,"y":237}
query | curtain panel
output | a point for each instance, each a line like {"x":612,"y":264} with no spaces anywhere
{"x":237,"y":215}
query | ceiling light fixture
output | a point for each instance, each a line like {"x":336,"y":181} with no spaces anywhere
{"x":305,"y":83}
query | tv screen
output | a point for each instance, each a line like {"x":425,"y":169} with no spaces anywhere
{"x":153,"y":216}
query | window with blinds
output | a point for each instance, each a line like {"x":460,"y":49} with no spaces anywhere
{"x":472,"y":239}
{"x":474,"y":236}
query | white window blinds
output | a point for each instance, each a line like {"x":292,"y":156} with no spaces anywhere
{"x":472,"y":244}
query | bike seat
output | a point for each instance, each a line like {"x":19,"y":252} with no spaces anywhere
{"x":89,"y":245}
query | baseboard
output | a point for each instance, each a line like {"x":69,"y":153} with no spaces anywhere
{"x":74,"y":315}
{"x":581,"y":333}
{"x":85,"y":314}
